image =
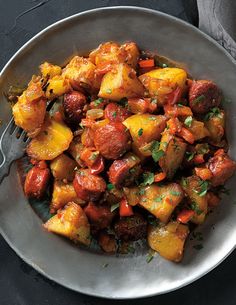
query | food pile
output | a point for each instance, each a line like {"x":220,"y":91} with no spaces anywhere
{"x":133,"y":148}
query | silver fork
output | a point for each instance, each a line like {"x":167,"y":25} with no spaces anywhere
{"x":12,"y":146}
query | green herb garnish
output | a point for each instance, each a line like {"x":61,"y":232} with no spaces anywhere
{"x":98,"y":101}
{"x":188,"y":121}
{"x":114,"y":114}
{"x":175,"y":193}
{"x":148,"y":178}
{"x":150,"y":257}
{"x":105,"y":265}
{"x":203,"y":185}
{"x":190,"y":155}
{"x":140,"y":132}
{"x":214,"y":112}
{"x":198,"y":99}
{"x":94,"y":155}
{"x":195,"y":208}
{"x":110,"y":186}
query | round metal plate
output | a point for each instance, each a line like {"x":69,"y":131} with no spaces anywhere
{"x":126,"y":276}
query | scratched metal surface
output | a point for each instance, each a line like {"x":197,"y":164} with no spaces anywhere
{"x":19,"y":283}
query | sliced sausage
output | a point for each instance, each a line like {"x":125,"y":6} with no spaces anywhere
{"x":112,"y":140}
{"x":73,"y":105}
{"x":99,"y":215}
{"x":121,"y":170}
{"x":116,"y":113}
{"x":87,"y":186}
{"x":131,"y":228}
{"x":204,"y":95}
{"x":222,"y":167}
{"x":36,"y":182}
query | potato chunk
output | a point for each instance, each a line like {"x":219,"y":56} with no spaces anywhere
{"x":161,"y":200}
{"x":174,"y":149}
{"x":62,"y":194}
{"x":160,"y":82}
{"x":196,"y":190}
{"x":145,"y":128}
{"x":54,"y":138}
{"x":62,"y":167}
{"x":215,"y":124}
{"x":70,"y":222}
{"x":57,"y":86}
{"x":168,"y":240}
{"x":29,"y":111}
{"x":48,"y":70}
{"x":198,"y":130}
{"x":121,"y":82}
{"x":80,"y":72}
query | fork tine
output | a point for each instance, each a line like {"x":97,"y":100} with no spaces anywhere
{"x":27,"y":141}
{"x":23,"y":135}
{"x":17,"y":132}
{"x":8,"y":127}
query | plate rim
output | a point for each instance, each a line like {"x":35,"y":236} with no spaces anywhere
{"x":51,"y":27}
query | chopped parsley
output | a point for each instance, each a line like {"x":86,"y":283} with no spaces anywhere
{"x":140,"y":132}
{"x":152,"y":118}
{"x":195,"y":208}
{"x":105,"y":265}
{"x":110,"y":186}
{"x":150,"y":256}
{"x":153,"y":100}
{"x":94,"y":155}
{"x":164,"y":65}
{"x":98,"y":101}
{"x":156,"y":153}
{"x":180,"y":105}
{"x":159,"y":198}
{"x":130,"y":249}
{"x":108,"y":91}
{"x":198,"y":246}
{"x":214,"y":112}
{"x":175,"y":193}
{"x":198,"y":99}
{"x":141,"y":192}
{"x":188,"y":121}
{"x":190,"y":155}
{"x":185,"y":182}
{"x":115,"y":206}
{"x":114,"y":114}
{"x":148,"y":178}
{"x":203,"y":185}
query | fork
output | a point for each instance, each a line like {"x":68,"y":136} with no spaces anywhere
{"x":12,"y":146}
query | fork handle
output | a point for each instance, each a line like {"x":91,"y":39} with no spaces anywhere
{"x":4,"y":169}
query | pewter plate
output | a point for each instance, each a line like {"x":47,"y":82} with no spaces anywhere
{"x":127,"y":276}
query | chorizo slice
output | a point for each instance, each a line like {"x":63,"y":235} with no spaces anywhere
{"x":131,"y":228}
{"x":112,"y":140}
{"x":73,"y":105}
{"x":222,"y":167}
{"x":122,"y":169}
{"x":204,"y":95}
{"x":116,"y":113}
{"x":88,"y":187}
{"x":99,"y":215}
{"x":36,"y":182}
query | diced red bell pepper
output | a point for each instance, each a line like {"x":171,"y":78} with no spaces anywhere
{"x":185,"y":215}
{"x":125,"y":208}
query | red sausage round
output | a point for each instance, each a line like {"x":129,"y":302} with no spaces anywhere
{"x":73,"y":105}
{"x":131,"y":228}
{"x":36,"y":182}
{"x":116,"y":113}
{"x":87,"y":186}
{"x":99,"y":215}
{"x":112,"y":140}
{"x":204,"y":95}
{"x":222,"y":168}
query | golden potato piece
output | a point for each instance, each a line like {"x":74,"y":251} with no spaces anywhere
{"x":49,"y":70}
{"x":196,"y":190}
{"x":168,"y":240}
{"x":133,"y":53}
{"x":198,"y":130}
{"x":30,"y":109}
{"x":145,"y":128}
{"x":62,"y":167}
{"x":160,"y":82}
{"x":121,"y":82}
{"x":174,"y":149}
{"x":70,"y":222}
{"x":216,"y":126}
{"x":57,"y":86}
{"x":161,"y":200}
{"x":62,"y":194}
{"x":54,"y":138}
{"x":80,"y":72}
